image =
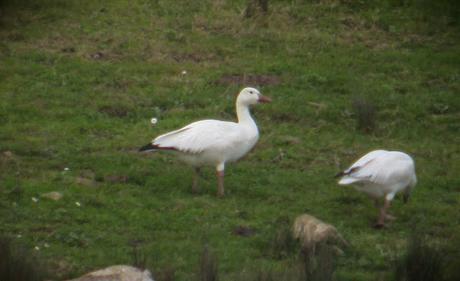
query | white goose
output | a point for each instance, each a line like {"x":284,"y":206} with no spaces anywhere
{"x":382,"y":173}
{"x":214,"y":142}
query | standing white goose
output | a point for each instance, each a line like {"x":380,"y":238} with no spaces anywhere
{"x":382,"y":173}
{"x":214,"y":142}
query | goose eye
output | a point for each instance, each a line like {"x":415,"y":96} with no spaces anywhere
{"x":251,"y":92}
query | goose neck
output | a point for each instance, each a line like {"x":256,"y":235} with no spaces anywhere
{"x":243,"y":114}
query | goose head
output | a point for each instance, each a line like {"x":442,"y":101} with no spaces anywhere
{"x":249,"y":96}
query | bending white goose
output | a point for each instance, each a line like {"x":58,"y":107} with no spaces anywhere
{"x":214,"y":142}
{"x":382,"y":173}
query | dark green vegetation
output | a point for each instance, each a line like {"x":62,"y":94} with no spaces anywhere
{"x":422,"y":262}
{"x":17,"y":263}
{"x":80,"y":80}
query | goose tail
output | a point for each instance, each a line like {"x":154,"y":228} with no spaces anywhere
{"x":148,"y":147}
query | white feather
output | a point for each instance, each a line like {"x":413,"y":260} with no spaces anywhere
{"x":381,"y":173}
{"x":210,"y":141}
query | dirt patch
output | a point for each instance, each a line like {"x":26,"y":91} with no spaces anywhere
{"x":116,"y":179}
{"x":259,"y":80}
{"x":194,"y":57}
{"x":243,"y":231}
{"x":285,"y":117}
{"x":15,"y":36}
{"x":114,"y":111}
{"x":68,"y":50}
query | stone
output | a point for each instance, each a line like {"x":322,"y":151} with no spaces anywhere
{"x":54,"y":195}
{"x":310,"y":231}
{"x":117,"y":273}
{"x":85,"y":181}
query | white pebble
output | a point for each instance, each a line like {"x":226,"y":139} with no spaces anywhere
{"x":184,"y":72}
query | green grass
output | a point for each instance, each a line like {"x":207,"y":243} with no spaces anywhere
{"x":80,"y":80}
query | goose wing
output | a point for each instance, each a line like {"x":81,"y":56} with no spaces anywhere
{"x":200,"y":136}
{"x":371,"y":168}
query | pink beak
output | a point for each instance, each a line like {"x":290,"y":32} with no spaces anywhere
{"x":264,"y":99}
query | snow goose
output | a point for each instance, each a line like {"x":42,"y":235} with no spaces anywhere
{"x":214,"y":142}
{"x":382,"y":173}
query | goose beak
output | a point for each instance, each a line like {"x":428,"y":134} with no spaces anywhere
{"x":264,"y":99}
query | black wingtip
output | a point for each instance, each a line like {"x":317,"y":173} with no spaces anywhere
{"x":347,"y":172}
{"x":147,"y":147}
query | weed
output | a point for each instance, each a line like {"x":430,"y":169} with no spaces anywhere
{"x":168,"y":273}
{"x":208,"y":265}
{"x":139,"y":259}
{"x":283,"y":244}
{"x":422,"y":262}
{"x":318,"y":264}
{"x":255,"y":7}
{"x":365,"y":114}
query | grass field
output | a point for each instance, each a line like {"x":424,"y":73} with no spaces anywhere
{"x":80,"y":80}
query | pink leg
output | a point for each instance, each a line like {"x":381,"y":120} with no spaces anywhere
{"x":220,"y":183}
{"x":195,"y":180}
{"x":383,"y":213}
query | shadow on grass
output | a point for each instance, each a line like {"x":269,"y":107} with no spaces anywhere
{"x":208,"y":265}
{"x":18,"y":264}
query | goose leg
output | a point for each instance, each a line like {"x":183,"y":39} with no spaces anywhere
{"x":220,"y":179}
{"x":383,"y":213}
{"x":196,"y":176}
{"x":220,"y":183}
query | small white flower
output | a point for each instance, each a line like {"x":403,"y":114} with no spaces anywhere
{"x":153,"y":121}
{"x":46,"y":245}
{"x":19,"y":236}
{"x":78,"y":204}
{"x":35,"y":199}
{"x":37,"y":248}
{"x":66,"y":169}
{"x":184,"y":72}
